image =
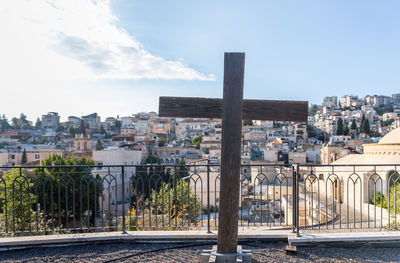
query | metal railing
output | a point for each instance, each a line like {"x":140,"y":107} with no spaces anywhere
{"x":76,"y":198}
{"x":347,"y":197}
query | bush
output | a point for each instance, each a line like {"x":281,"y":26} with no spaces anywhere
{"x":180,"y":203}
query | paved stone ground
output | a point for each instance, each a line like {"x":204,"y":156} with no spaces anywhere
{"x":134,"y":252}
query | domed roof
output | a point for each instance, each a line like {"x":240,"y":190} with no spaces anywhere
{"x":392,"y":137}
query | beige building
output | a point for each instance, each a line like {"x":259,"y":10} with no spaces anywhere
{"x":82,"y":143}
{"x":297,"y":157}
{"x":172,"y":155}
{"x":355,"y":186}
{"x":190,"y":127}
{"x":255,"y":136}
{"x":301,"y":131}
{"x":163,"y":126}
{"x":128,"y":131}
{"x":34,"y":156}
{"x":331,"y":153}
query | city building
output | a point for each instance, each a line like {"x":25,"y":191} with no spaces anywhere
{"x":113,"y":190}
{"x":50,"y":121}
{"x":330,"y":102}
{"x":163,"y":126}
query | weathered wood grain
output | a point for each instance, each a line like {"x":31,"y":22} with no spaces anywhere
{"x":272,"y":110}
{"x":230,"y":153}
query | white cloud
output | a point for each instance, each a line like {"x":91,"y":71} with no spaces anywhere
{"x":52,"y":40}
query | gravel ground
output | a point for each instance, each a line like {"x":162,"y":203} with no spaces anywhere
{"x":133,"y":252}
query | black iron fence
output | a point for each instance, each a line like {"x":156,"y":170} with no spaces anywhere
{"x":347,"y":197}
{"x":75,"y":199}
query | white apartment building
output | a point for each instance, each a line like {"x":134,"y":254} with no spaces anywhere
{"x":329,"y":126}
{"x":127,"y":121}
{"x":389,"y":115}
{"x":340,"y":139}
{"x":190,"y":127}
{"x":35,"y":154}
{"x":377,"y":100}
{"x":143,"y":125}
{"x":112,"y":182}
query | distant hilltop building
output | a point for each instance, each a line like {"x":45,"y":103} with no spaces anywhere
{"x":378,"y":100}
{"x":349,"y":101}
{"x":92,"y":121}
{"x":50,"y":121}
{"x":330,"y":102}
{"x":396,"y":98}
{"x":73,"y":121}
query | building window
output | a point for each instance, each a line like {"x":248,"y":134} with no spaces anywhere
{"x":12,"y":156}
{"x":37,"y":156}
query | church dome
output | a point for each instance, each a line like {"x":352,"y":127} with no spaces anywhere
{"x":392,"y":137}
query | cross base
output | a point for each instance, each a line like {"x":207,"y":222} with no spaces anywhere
{"x":211,"y":256}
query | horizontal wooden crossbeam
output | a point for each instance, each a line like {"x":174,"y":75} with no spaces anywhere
{"x":272,"y":110}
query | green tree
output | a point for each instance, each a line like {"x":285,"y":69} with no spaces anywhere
{"x":73,"y":130}
{"x":388,"y":122}
{"x":247,"y":123}
{"x":21,"y":122}
{"x":4,"y":125}
{"x":72,"y":184}
{"x":25,"y":126}
{"x":117,"y":126}
{"x":102,"y":130}
{"x":346,"y":130}
{"x":151,"y":159}
{"x":3,"y":144}
{"x":383,"y":109}
{"x":60,"y":128}
{"x":312,"y":110}
{"x":311,"y":131}
{"x":38,"y":124}
{"x":99,"y":146}
{"x":353,"y":125}
{"x":362,"y":124}
{"x":197,"y":140}
{"x":162,"y":141}
{"x":19,"y":210}
{"x":42,"y":140}
{"x":181,"y":170}
{"x":151,"y":175}
{"x":23,"y":159}
{"x":14,"y":122}
{"x":366,"y":127}
{"x":177,"y":199}
{"x":339,"y":127}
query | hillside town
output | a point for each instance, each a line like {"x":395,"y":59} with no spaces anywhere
{"x":336,"y":128}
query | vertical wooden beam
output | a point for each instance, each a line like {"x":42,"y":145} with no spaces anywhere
{"x":231,"y":152}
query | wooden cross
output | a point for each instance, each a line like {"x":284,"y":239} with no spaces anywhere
{"x":232,"y":109}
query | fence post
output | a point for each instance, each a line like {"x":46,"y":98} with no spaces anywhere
{"x":123,"y":199}
{"x":294,"y":199}
{"x":208,"y":196}
{"x":297,"y":200}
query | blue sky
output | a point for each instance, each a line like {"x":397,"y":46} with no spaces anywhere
{"x":118,"y":57}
